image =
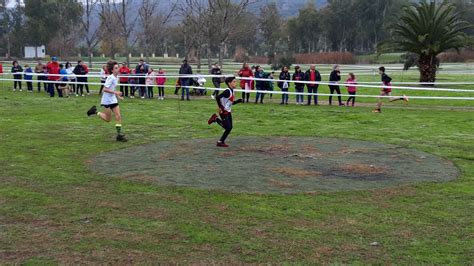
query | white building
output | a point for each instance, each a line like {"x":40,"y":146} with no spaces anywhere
{"x":33,"y":52}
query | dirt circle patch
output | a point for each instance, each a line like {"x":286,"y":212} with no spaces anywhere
{"x":275,"y":165}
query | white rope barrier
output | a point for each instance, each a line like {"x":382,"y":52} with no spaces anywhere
{"x":359,"y":85}
{"x":420,"y":83}
{"x":266,"y":91}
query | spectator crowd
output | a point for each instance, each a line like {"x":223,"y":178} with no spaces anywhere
{"x":68,"y":80}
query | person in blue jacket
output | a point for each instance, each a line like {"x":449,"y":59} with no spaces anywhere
{"x":63,"y":81}
{"x":29,"y":78}
{"x":260,"y":84}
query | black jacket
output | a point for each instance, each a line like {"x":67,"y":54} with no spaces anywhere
{"x":216,"y":71}
{"x":79,"y":70}
{"x":141,"y":71}
{"x":284,"y":76}
{"x":308,"y":78}
{"x":335,"y":76}
{"x":15,"y":70}
{"x":386,"y":79}
{"x":185,"y":69}
{"x":299,"y":76}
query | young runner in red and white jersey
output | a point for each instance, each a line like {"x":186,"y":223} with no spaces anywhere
{"x":225,"y":100}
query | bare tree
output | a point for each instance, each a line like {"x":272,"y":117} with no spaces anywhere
{"x":126,"y":24}
{"x":109,"y":27}
{"x":70,"y":13}
{"x":270,"y":24}
{"x":193,"y":25}
{"x":152,"y":23}
{"x":226,"y":15}
{"x":91,"y":33}
{"x":201,"y":27}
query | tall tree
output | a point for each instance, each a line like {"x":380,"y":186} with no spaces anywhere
{"x":226,"y":16}
{"x":304,"y":30}
{"x":110,"y":28}
{"x":91,"y":31}
{"x":50,"y":20}
{"x":339,"y":25}
{"x":116,"y":18}
{"x":465,"y":8}
{"x":5,"y":27}
{"x":194,"y":25}
{"x":245,"y":35}
{"x":270,"y":24}
{"x":126,"y":23}
{"x":69,"y":12}
{"x":14,"y":29}
{"x":426,"y":30}
{"x":371,"y":20}
{"x":40,"y":27}
{"x":152,"y":24}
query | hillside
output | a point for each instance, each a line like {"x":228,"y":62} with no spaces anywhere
{"x":288,"y":8}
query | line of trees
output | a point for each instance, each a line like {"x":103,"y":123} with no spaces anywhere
{"x":199,"y":29}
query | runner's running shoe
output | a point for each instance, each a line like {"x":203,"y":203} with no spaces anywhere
{"x":121,"y":138}
{"x":92,"y":111}
{"x":221,"y":144}
{"x":212,"y":119}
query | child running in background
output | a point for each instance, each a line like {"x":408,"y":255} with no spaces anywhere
{"x":225,"y":100}
{"x":386,"y":90}
{"x":29,"y":78}
{"x":351,"y":89}
{"x":109,"y":100}
{"x":160,"y":81}
{"x":149,"y":82}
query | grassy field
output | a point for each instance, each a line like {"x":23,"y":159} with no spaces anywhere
{"x":53,"y":209}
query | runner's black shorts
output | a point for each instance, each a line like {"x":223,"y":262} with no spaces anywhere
{"x":111,"y":106}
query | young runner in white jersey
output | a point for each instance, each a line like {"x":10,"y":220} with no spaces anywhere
{"x":109,"y":100}
{"x":225,"y":100}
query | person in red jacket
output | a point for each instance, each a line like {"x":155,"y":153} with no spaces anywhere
{"x":160,"y":81}
{"x":53,"y":76}
{"x":124,"y":71}
{"x":245,"y":84}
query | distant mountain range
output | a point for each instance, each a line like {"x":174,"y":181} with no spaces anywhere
{"x":287,"y":8}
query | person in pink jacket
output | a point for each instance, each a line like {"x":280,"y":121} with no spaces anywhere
{"x":160,"y":81}
{"x":351,"y":88}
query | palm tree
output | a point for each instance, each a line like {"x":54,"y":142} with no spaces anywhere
{"x":426,"y":30}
